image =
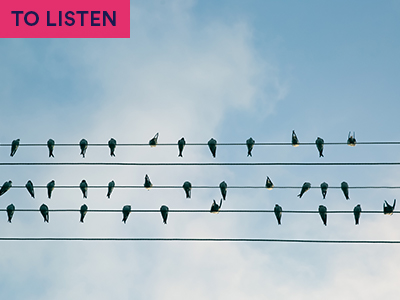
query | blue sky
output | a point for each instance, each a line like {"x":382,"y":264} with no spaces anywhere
{"x":202,"y":69}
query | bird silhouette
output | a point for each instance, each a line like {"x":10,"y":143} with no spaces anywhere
{"x":268,"y":184}
{"x":164,"y":213}
{"x":181,"y":145}
{"x":44,"y":210}
{"x":388,"y":209}
{"x":50,"y":188}
{"x":83,"y":212}
{"x":278,"y":213}
{"x":212,"y":144}
{"x":324,"y":189}
{"x":320,"y":146}
{"x":351,"y":140}
{"x":306,"y":186}
{"x":10,"y":212}
{"x":111,"y":186}
{"x":345,"y":188}
{"x":126,"y":210}
{"x":323,"y":213}
{"x":153,"y":142}
{"x":250,"y":144}
{"x":187,"y":186}
{"x":50,"y":145}
{"x":5,"y":187}
{"x":84,"y":187}
{"x":295,"y":140}
{"x":112,"y":143}
{"x":83,"y":144}
{"x":14,"y":147}
{"x":215,"y":207}
{"x":147,"y":182}
{"x":223,"y":187}
{"x":29,"y":187}
{"x":357,"y":213}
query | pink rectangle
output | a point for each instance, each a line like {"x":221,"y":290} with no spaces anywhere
{"x":65,"y":19}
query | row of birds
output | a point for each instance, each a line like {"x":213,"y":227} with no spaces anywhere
{"x":187,"y":186}
{"x":212,"y":144}
{"x":215,"y":208}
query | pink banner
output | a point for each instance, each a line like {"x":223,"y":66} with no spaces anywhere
{"x":65,"y":19}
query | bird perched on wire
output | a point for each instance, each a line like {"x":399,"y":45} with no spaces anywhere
{"x":306,"y":186}
{"x":153,"y":142}
{"x":29,"y":187}
{"x":112,"y":143}
{"x":212,"y":144}
{"x":44,"y":210}
{"x":351,"y":140}
{"x":357,"y":213}
{"x":50,"y":188}
{"x":324,"y":189}
{"x":14,"y":147}
{"x":295,"y":140}
{"x":50,"y":145}
{"x":147,"y":182}
{"x":181,"y":145}
{"x":268,"y":184}
{"x":126,"y":210}
{"x":164,"y":213}
{"x":10,"y":212}
{"x":83,"y":144}
{"x":187,"y":186}
{"x":83,"y":212}
{"x":323,"y":213}
{"x":215,"y":207}
{"x":84,"y":187}
{"x":345,"y":188}
{"x":320,"y":146}
{"x":250,"y":144}
{"x":111,"y":186}
{"x":223,"y":187}
{"x":388,"y":209}
{"x":5,"y":187}
{"x":278,"y":213}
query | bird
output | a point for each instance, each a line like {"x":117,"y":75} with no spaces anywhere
{"x":44,"y":210}
{"x":250,"y":144}
{"x":351,"y":140}
{"x":357,"y":213}
{"x":388,"y":209}
{"x":306,"y":186}
{"x":14,"y":147}
{"x":164,"y":213}
{"x":10,"y":212}
{"x":181,"y":145}
{"x":295,"y":140}
{"x":215,"y":207}
{"x":112,"y":143}
{"x":322,"y":212}
{"x":111,"y":186}
{"x":84,"y":187}
{"x":29,"y":187}
{"x":223,"y":187}
{"x":212,"y":144}
{"x":147,"y":182}
{"x":278,"y":213}
{"x":50,"y":188}
{"x":153,"y":141}
{"x":187,"y":186}
{"x":83,"y":211}
{"x":126,"y":210}
{"x":50,"y":145}
{"x":268,"y":184}
{"x":345,"y":188}
{"x":324,"y":189}
{"x":320,"y":146}
{"x":83,"y":144}
{"x":5,"y":187}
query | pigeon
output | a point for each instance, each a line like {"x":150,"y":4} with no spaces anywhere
{"x":83,"y":144}
{"x":111,"y":186}
{"x":44,"y":210}
{"x":212,"y":144}
{"x":187,"y":186}
{"x":83,"y":211}
{"x":250,"y":144}
{"x":215,"y":207}
{"x":322,"y":212}
{"x":295,"y":140}
{"x":153,"y":141}
{"x":147,"y":182}
{"x":126,"y":210}
{"x":351,"y":140}
{"x":112,"y":143}
{"x":84,"y":187}
{"x":5,"y":187}
{"x":324,"y":189}
{"x":345,"y":188}
{"x":164,"y":213}
{"x":278,"y":213}
{"x":181,"y":145}
{"x":14,"y":147}
{"x":50,"y":188}
{"x":320,"y":146}
{"x":388,"y":209}
{"x":269,"y":185}
{"x":29,"y":187}
{"x":357,"y":213}
{"x":223,"y":186}
{"x":50,"y":145}
{"x":306,"y":186}
{"x":10,"y":212}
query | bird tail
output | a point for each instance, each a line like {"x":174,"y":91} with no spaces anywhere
{"x":180,"y":155}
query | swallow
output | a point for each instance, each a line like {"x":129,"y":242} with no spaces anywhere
{"x":112,"y":143}
{"x":111,"y":186}
{"x":345,"y":188}
{"x":306,"y":186}
{"x":320,"y":146}
{"x":181,"y":145}
{"x":164,"y":213}
{"x":212,"y":144}
{"x":278,"y":213}
{"x":83,"y":212}
{"x":351,"y":140}
{"x":154,"y":140}
{"x":324,"y":189}
{"x":295,"y":140}
{"x":323,"y":213}
{"x":83,"y":144}
{"x":84,"y":187}
{"x":14,"y":147}
{"x":50,"y":145}
{"x":269,"y":185}
{"x":29,"y":187}
{"x":147,"y":182}
{"x":388,"y":209}
{"x":357,"y":213}
{"x":50,"y":188}
{"x":126,"y":210}
{"x":215,"y":207}
{"x":250,"y":144}
{"x":223,"y":187}
{"x":187,"y":186}
{"x":5,"y":187}
{"x":10,"y":212}
{"x":44,"y":210}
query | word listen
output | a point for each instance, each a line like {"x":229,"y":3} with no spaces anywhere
{"x":31,"y":18}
